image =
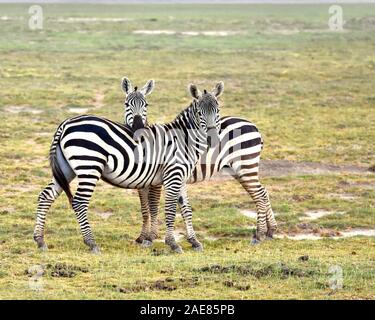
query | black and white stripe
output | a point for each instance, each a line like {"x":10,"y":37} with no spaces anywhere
{"x":92,"y":148}
{"x":239,"y":153}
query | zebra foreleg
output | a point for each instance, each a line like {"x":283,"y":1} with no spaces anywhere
{"x":45,"y":200}
{"x":172,"y":191}
{"x":80,"y":204}
{"x":143,"y":197}
{"x":187,"y":215}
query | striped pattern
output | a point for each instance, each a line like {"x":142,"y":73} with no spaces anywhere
{"x":92,"y":148}
{"x":239,"y":153}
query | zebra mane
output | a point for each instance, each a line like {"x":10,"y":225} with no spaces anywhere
{"x":185,"y":115}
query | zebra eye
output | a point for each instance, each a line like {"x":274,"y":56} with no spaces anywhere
{"x":146,"y":105}
{"x":126,"y":104}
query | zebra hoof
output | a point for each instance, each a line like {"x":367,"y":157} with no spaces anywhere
{"x":198,"y":248}
{"x":270,"y":233}
{"x":146,"y":243}
{"x":42,"y":247}
{"x":95,"y":250}
{"x":139,"y":240}
{"x":255,"y":241}
{"x":177,"y":249}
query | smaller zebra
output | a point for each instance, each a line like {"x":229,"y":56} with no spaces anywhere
{"x":92,"y":148}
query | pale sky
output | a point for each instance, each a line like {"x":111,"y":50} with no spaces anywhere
{"x":189,"y":1}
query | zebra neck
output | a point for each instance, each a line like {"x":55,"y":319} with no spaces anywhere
{"x":196,"y":136}
{"x":187,"y":118}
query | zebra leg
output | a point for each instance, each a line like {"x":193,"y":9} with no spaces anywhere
{"x":45,"y":200}
{"x":187,"y":215}
{"x":143,"y":197}
{"x":266,"y":223}
{"x":80,"y":204}
{"x":154,"y":201}
{"x":271,"y":221}
{"x":172,"y":191}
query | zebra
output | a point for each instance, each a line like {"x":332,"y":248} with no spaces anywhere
{"x":239,"y":154}
{"x":92,"y":148}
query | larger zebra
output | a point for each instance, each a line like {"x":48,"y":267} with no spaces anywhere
{"x":238,"y":151}
{"x":91,"y":148}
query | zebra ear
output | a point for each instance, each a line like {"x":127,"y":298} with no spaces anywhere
{"x":126,"y":85}
{"x":147,"y":89}
{"x":194,"y":91}
{"x":218,"y":90}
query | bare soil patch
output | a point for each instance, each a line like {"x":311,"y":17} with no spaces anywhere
{"x":78,"y":110}
{"x":322,"y":233}
{"x":283,"y":168}
{"x":277,"y":168}
{"x":249,"y":213}
{"x":19,"y":109}
{"x":104,"y":215}
{"x":316,"y":214}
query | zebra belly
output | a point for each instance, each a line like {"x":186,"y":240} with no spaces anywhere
{"x":134,"y":181}
{"x":199,"y":176}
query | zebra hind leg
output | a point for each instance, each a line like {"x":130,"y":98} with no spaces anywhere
{"x":80,"y":204}
{"x":266,"y":223}
{"x":45,"y":200}
{"x":154,"y":201}
{"x":187,"y":215}
{"x":271,"y":221}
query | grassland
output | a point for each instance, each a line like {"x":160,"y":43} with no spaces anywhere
{"x":310,"y":91}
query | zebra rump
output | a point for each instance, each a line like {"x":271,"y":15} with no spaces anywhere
{"x":60,"y":167}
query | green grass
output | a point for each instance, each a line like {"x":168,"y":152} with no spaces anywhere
{"x":309,"y":92}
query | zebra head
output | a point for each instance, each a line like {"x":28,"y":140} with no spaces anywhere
{"x":135,"y":103}
{"x":207,"y":111}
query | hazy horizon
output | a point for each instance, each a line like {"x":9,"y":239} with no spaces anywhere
{"x":194,"y":1}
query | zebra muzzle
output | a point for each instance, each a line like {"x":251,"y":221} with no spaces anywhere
{"x":137,"y":123}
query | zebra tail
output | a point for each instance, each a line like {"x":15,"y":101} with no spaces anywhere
{"x":57,"y":172}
